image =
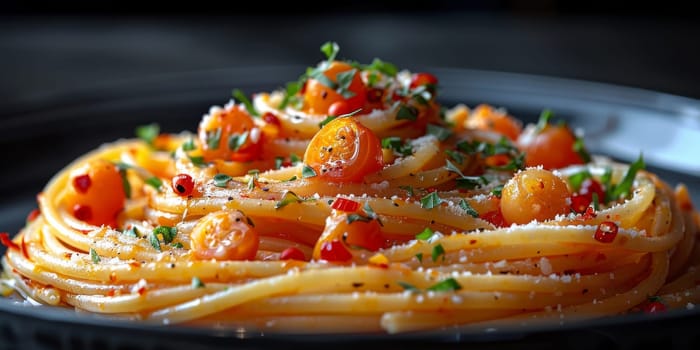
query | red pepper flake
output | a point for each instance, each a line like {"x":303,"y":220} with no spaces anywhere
{"x":82,"y":212}
{"x":335,"y":251}
{"x":606,"y":232}
{"x":7,"y":242}
{"x":654,"y":305}
{"x":111,"y":292}
{"x":344,"y":204}
{"x":113,"y":277}
{"x":473,"y":241}
{"x":588,"y":214}
{"x":292,"y":253}
{"x":375,"y":95}
{"x":24,"y":248}
{"x":495,"y":217}
{"x":33,"y":215}
{"x":82,"y":183}
{"x":270,"y":118}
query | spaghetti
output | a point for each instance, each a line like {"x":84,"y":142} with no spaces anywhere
{"x":352,"y":202}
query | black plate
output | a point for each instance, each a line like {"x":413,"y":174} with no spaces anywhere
{"x":41,"y":137}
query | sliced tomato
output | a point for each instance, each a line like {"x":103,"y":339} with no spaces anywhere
{"x":230,"y":135}
{"x":319,"y":97}
{"x":224,"y":235}
{"x":353,"y":230}
{"x":344,"y":150}
{"x":95,"y":193}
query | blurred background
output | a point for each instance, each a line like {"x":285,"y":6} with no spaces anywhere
{"x":49,"y":47}
{"x":63,"y":55}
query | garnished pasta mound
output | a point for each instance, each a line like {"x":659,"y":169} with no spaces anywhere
{"x":352,"y":201}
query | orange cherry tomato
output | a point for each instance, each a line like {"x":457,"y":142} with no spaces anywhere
{"x":354,"y":230}
{"x":534,"y":194}
{"x":224,"y":235}
{"x":230,"y":135}
{"x":95,"y":193}
{"x":344,"y":150}
{"x":485,"y":117}
{"x":552,"y":147}
{"x":318,"y":98}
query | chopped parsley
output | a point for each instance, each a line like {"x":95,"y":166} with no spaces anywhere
{"x":94,"y":256}
{"x":357,"y":217}
{"x":452,"y":168}
{"x":408,"y":189}
{"x":197,"y":283}
{"x":188,"y":145}
{"x":213,"y":138}
{"x":197,"y":160}
{"x":580,"y":148}
{"x":497,"y":191}
{"x":177,"y":245}
{"x":236,"y":141}
{"x":407,"y":113}
{"x":449,"y":284}
{"x":168,"y":233}
{"x":624,"y":187}
{"x":468,"y":208}
{"x":419,"y":256}
{"x":154,"y":241}
{"x":148,"y":132}
{"x":242,"y":98}
{"x":470,"y":182}
{"x":307,"y":172}
{"x":385,"y":68}
{"x":294,"y":159}
{"x":438,"y":251}
{"x":438,"y":131}
{"x":125,"y":181}
{"x":330,"y":49}
{"x":220,"y":180}
{"x":132,"y":231}
{"x":456,"y":156}
{"x":409,"y":287}
{"x":344,"y":79}
{"x":577,"y":179}
{"x":154,"y":182}
{"x":394,"y":143}
{"x":287,"y":198}
{"x":543,"y":121}
{"x":425,"y":234}
{"x":430,"y":201}
{"x":292,"y":89}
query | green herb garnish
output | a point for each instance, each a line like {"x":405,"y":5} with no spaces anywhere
{"x":307,"y":172}
{"x":241,"y":97}
{"x":221,"y":180}
{"x":439,"y":132}
{"x":447,"y":285}
{"x":93,"y":255}
{"x":438,"y":251}
{"x":197,"y":283}
{"x":430,"y":201}
{"x":148,"y":132}
{"x":154,"y":182}
{"x":425,"y":234}
{"x":468,"y":208}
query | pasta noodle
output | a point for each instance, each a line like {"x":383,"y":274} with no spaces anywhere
{"x":352,"y":202}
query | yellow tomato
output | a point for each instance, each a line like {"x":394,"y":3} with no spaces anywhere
{"x":95,"y":193}
{"x":534,"y":194}
{"x":224,"y":235}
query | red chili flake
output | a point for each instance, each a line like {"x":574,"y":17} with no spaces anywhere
{"x":33,"y":215}
{"x":270,"y":118}
{"x":111,"y":292}
{"x":495,"y":217}
{"x":431,"y":189}
{"x":82,"y":212}
{"x":344,"y":204}
{"x":473,"y":241}
{"x":183,"y":184}
{"x":606,"y":232}
{"x":654,"y":305}
{"x":7,"y":242}
{"x":292,"y":253}
{"x":581,"y":200}
{"x":113,"y":277}
{"x":375,"y":95}
{"x":82,"y":183}
{"x":335,"y":251}
{"x":589,"y":214}
{"x":420,"y":79}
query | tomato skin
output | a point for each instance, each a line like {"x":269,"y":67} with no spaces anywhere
{"x":653,"y":307}
{"x":358,"y":234}
{"x":420,"y":79}
{"x":292,"y":253}
{"x":233,"y":122}
{"x":344,"y":150}
{"x":183,"y":185}
{"x":334,"y":251}
{"x":552,"y":147}
{"x":95,"y":193}
{"x":344,"y":204}
{"x":339,"y":108}
{"x":224,"y":235}
{"x":318,"y":98}
{"x":485,"y":117}
{"x":495,"y":217}
{"x":534,"y":194}
{"x":584,"y":197}
{"x":606,"y":232}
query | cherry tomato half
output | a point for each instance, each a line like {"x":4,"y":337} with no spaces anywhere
{"x":230,"y":135}
{"x":319,"y":98}
{"x":344,"y":150}
{"x":224,"y":235}
{"x":95,"y":193}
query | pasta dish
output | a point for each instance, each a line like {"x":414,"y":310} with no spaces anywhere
{"x":351,"y":200}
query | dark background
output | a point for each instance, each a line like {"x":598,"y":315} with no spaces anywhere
{"x":52,"y":47}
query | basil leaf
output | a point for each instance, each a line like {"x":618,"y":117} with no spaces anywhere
{"x":291,"y":90}
{"x":468,"y":208}
{"x":543,"y":121}
{"x":457,"y":156}
{"x":307,"y":172}
{"x":470,"y":182}
{"x":287,"y":197}
{"x":407,"y":113}
{"x":154,"y":182}
{"x":438,"y":251}
{"x":577,"y":179}
{"x":93,"y":255}
{"x":330,"y":49}
{"x":623,"y":189}
{"x":449,"y":284}
{"x":241,"y":97}
{"x":452,"y":168}
{"x":148,"y":132}
{"x":408,"y":287}
{"x":425,"y":234}
{"x":197,"y":283}
{"x":357,"y":217}
{"x":580,"y":149}
{"x":221,"y":180}
{"x":294,"y":159}
{"x":439,"y":132}
{"x":385,"y":68}
{"x":213,"y":138}
{"x":236,"y":141}
{"x":430,"y":201}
